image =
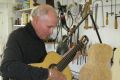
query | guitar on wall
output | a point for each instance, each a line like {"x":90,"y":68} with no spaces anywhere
{"x":54,"y":59}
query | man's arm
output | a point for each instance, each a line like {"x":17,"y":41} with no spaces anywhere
{"x":13,"y":67}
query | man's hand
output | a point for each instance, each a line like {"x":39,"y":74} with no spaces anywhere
{"x":54,"y":74}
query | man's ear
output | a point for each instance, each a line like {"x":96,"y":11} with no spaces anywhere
{"x":35,"y":19}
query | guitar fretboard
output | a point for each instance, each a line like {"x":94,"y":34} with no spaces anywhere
{"x":69,"y":57}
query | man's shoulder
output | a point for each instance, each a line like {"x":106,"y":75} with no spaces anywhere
{"x":20,"y":32}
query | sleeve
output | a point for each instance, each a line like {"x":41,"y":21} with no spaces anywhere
{"x":12,"y":66}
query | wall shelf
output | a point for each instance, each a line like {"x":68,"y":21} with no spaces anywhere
{"x":19,"y":25}
{"x":25,"y":10}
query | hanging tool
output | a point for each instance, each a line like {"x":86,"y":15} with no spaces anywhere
{"x":90,"y":1}
{"x":62,"y":11}
{"x":106,"y":18}
{"x":95,"y":27}
{"x":96,"y":11}
{"x":111,"y":9}
{"x":86,"y":24}
{"x":116,"y":23}
{"x":102,"y":10}
{"x":63,"y":21}
{"x":115,"y":7}
{"x":85,"y":9}
{"x":106,"y":0}
{"x":84,"y":13}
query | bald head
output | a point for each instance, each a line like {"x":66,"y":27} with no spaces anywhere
{"x":44,"y":19}
{"x":42,"y":9}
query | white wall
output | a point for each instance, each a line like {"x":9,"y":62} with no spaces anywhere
{"x":107,"y":33}
{"x":3,"y":25}
{"x":5,"y":22}
{"x":7,"y":1}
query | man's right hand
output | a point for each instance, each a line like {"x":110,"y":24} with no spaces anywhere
{"x":54,"y":74}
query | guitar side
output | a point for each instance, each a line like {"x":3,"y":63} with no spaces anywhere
{"x":53,"y":58}
{"x":116,"y":65}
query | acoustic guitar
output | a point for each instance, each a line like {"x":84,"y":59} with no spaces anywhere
{"x":54,"y":59}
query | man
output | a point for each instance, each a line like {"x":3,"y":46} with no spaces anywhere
{"x":26,"y":45}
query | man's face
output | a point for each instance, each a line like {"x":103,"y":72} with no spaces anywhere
{"x":45,"y":25}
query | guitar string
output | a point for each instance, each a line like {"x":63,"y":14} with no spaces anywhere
{"x":72,"y":56}
{"x":65,"y":60}
{"x":69,"y":58}
{"x":60,"y":64}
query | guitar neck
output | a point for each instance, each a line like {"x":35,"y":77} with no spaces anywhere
{"x":69,"y":57}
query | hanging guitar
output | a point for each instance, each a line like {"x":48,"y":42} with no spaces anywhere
{"x":61,"y":63}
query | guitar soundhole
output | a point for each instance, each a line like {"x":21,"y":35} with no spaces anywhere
{"x":52,"y":66}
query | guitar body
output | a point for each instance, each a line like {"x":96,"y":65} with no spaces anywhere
{"x":54,"y":58}
{"x":116,"y":65}
{"x":97,"y":66}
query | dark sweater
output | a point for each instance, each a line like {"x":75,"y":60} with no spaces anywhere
{"x":24,"y":47}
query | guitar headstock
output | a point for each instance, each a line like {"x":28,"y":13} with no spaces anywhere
{"x":84,"y":40}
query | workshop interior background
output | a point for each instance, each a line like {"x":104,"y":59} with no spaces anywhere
{"x":106,"y":16}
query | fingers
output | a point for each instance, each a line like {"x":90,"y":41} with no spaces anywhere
{"x":54,"y":74}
